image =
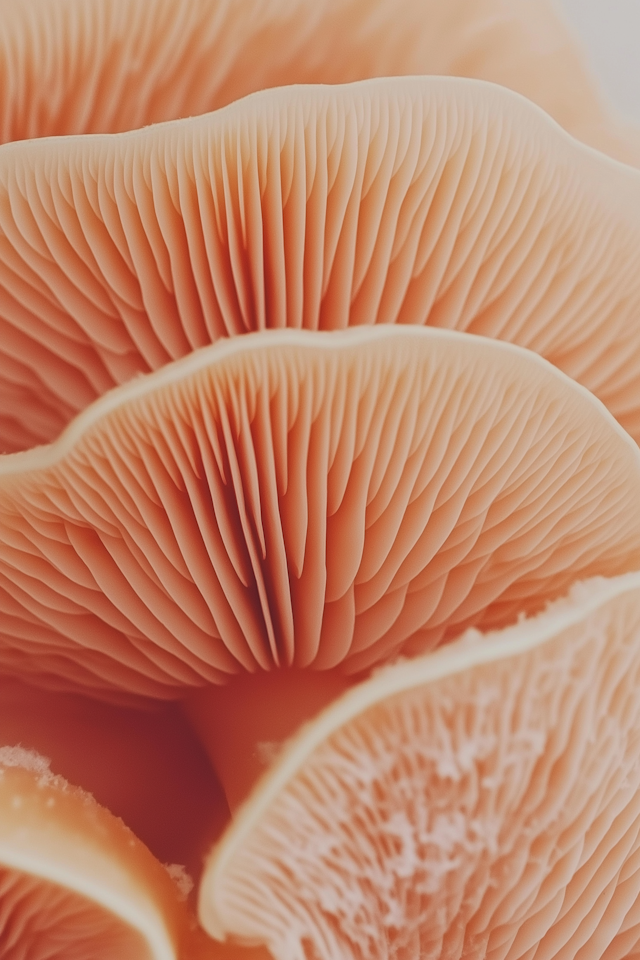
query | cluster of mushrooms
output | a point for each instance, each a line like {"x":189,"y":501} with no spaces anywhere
{"x":319,"y":485}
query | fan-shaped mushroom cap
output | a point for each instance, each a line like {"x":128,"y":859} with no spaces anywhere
{"x":78,"y":66}
{"x":300,"y":499}
{"x":75,"y":881}
{"x":482,"y":801}
{"x":409,"y":201}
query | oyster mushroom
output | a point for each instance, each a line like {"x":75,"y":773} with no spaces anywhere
{"x":78,"y":66}
{"x":411,"y":201}
{"x":43,"y":422}
{"x":74,"y":881}
{"x":300,"y":501}
{"x":482,"y":801}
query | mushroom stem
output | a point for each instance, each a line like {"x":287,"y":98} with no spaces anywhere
{"x":243,"y":725}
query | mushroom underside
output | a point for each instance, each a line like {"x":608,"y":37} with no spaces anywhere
{"x":411,"y":201}
{"x":82,"y":66}
{"x":309,"y":505}
{"x":480,"y":801}
{"x":306,"y":500}
{"x":74,"y":881}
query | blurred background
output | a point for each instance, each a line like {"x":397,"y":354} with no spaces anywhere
{"x":610,"y":34}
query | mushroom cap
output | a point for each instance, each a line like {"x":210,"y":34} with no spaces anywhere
{"x":75,"y":881}
{"x":483,"y":800}
{"x":307,"y":500}
{"x":80,"y":66}
{"x":411,"y":200}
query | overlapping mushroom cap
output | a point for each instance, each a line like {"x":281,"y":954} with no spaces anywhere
{"x":409,"y":201}
{"x":306,"y":499}
{"x":278,"y":506}
{"x":482,"y":801}
{"x":80,"y":66}
{"x":74,"y":881}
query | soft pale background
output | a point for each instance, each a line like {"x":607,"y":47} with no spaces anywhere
{"x":610,"y":33}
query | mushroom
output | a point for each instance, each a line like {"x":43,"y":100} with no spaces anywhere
{"x":303,"y":501}
{"x":66,"y":538}
{"x":410,"y":201}
{"x":74,"y":881}
{"x":79,"y":66}
{"x":481,"y":801}
{"x":144,"y":766}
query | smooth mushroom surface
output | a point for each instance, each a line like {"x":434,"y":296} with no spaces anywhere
{"x":81,"y":66}
{"x":309,"y":501}
{"x":450,"y":203}
{"x":144,"y":766}
{"x":479,"y":802}
{"x":74,"y":881}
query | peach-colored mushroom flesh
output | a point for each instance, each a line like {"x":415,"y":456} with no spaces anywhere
{"x":300,"y":500}
{"x":79,"y":66}
{"x":74,"y":881}
{"x":482,"y":801}
{"x":410,"y":201}
{"x":144,"y":766}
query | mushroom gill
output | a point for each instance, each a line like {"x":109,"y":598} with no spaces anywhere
{"x":482,"y":801}
{"x":412,"y":201}
{"x":80,"y":66}
{"x":293,"y":507}
{"x":74,"y":881}
{"x":306,"y":501}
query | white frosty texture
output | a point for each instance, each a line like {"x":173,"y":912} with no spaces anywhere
{"x":31,"y":760}
{"x":469,"y":817}
{"x":181,"y":879}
